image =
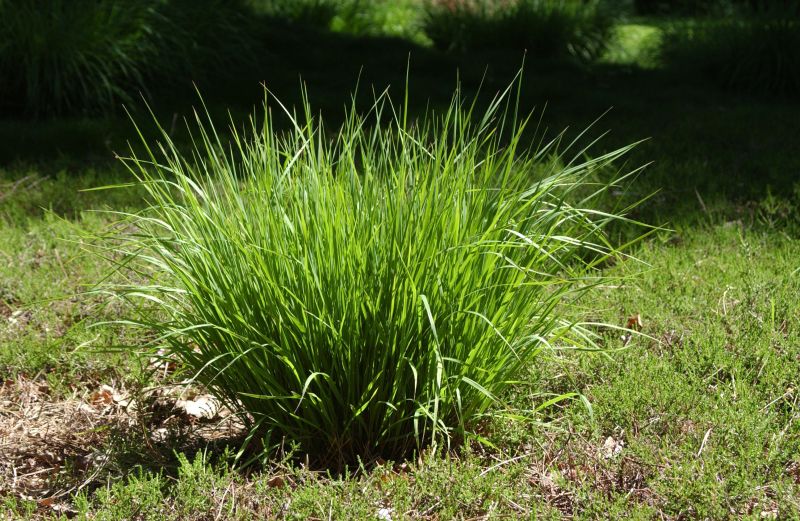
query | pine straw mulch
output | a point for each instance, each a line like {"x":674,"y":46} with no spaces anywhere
{"x":52,"y":448}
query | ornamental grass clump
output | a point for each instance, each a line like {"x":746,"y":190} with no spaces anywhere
{"x":756,"y":52}
{"x":371,"y":291}
{"x":548,"y":30}
{"x":59,"y":56}
{"x":77,"y":57}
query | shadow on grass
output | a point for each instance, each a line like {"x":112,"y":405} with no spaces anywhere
{"x":706,"y":145}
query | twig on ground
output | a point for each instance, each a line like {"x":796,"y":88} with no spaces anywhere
{"x":705,"y":440}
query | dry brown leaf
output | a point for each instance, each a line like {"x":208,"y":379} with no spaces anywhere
{"x":612,"y":447}
{"x":204,"y":407}
{"x":276,"y":482}
{"x":102,"y":396}
{"x":634,"y":322}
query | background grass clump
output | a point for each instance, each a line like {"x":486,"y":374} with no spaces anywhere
{"x":354,"y":17}
{"x":84,"y":56}
{"x":201,"y":39}
{"x":314,"y":13}
{"x":546,"y":29}
{"x":366,"y":295}
{"x":64,"y":55}
{"x":756,"y":52}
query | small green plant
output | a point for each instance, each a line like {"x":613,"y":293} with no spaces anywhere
{"x":378,"y":18}
{"x":369,"y":292}
{"x":546,"y":29}
{"x":780,"y":211}
{"x":361,"y":17}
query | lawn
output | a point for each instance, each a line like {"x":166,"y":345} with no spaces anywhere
{"x":694,"y":418}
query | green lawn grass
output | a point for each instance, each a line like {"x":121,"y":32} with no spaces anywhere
{"x":696,"y":420}
{"x":704,"y":414}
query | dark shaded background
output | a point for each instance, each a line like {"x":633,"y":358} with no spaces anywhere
{"x":710,"y":145}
